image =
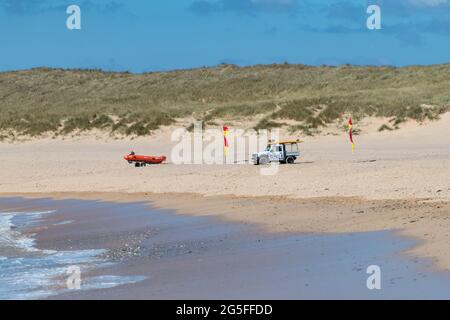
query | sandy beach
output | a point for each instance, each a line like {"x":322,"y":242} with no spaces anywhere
{"x":395,"y":180}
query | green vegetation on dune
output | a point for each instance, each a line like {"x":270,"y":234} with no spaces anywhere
{"x":43,"y":100}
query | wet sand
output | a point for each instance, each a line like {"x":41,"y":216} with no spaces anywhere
{"x":192,"y":257}
{"x":426,"y":220}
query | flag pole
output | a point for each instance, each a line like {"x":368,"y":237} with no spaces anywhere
{"x":350,"y":133}
{"x":225,"y":143}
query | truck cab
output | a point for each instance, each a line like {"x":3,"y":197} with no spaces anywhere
{"x":282,"y":152}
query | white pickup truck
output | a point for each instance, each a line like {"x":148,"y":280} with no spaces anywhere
{"x":282,"y":152}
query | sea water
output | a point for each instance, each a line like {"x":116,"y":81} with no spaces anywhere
{"x":27,"y":272}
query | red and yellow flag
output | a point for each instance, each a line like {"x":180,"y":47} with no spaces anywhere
{"x":350,"y":133}
{"x":225,"y":140}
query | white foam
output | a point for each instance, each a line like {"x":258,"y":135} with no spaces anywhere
{"x":32,"y":277}
{"x":42,"y":276}
{"x":39,"y":275}
{"x":108,"y":281}
{"x":63,"y":223}
{"x":11,"y":238}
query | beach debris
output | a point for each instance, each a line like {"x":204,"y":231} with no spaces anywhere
{"x":132,"y":246}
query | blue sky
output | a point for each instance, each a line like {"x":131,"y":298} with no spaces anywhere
{"x":153,"y":35}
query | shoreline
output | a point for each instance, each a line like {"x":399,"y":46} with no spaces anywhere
{"x":284,"y":215}
{"x":171,"y":255}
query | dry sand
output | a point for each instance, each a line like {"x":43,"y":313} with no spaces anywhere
{"x":396,"y":179}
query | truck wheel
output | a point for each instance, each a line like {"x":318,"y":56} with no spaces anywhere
{"x":263,"y":161}
{"x":137,"y":164}
{"x":290,"y":160}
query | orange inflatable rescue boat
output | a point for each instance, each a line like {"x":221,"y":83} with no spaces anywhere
{"x":142,"y":161}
